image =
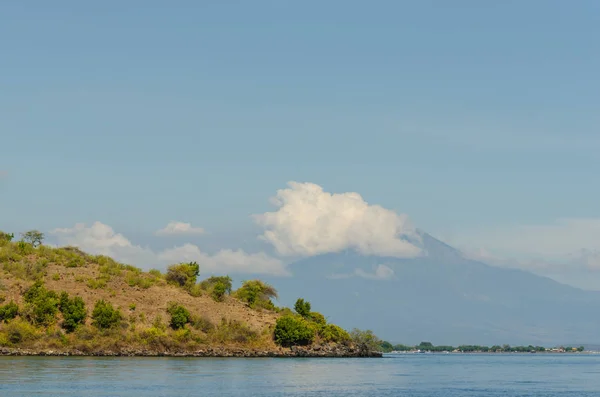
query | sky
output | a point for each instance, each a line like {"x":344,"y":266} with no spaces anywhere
{"x":474,"y":121}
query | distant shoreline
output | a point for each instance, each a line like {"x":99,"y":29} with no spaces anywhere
{"x":586,"y":352}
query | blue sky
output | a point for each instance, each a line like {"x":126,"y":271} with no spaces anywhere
{"x":477,"y":120}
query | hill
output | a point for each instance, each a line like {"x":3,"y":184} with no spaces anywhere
{"x":446,"y":298}
{"x":68,"y":302}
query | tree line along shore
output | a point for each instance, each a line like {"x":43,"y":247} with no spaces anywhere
{"x":63,"y":301}
{"x":387,"y":347}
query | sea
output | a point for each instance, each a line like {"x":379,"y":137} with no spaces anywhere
{"x":431,"y":375}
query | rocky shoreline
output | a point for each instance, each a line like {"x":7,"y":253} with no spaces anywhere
{"x":294,"y":351}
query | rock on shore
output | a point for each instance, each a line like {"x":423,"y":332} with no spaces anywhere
{"x":294,"y":351}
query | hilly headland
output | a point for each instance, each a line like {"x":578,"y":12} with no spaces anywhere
{"x":62,"y":301}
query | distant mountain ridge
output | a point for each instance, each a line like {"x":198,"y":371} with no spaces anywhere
{"x":446,"y":298}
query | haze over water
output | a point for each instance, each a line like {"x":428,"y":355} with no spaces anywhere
{"x":406,"y":375}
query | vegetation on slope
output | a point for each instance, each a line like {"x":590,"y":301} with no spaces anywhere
{"x":63,"y":298}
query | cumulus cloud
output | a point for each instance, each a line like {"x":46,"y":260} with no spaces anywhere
{"x":101,"y":239}
{"x":179,"y":228}
{"x":226,"y":261}
{"x":310,"y":221}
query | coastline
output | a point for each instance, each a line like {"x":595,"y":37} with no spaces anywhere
{"x":216,"y":352}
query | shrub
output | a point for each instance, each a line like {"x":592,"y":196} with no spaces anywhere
{"x":7,"y":237}
{"x":105,"y":316}
{"x":234,"y":331}
{"x":257,"y":293}
{"x":180,"y":316}
{"x":317,"y":318}
{"x":201,"y":323}
{"x":73,"y":311}
{"x":182,"y":335}
{"x":366,"y":341}
{"x":218,"y":292}
{"x":33,"y":237}
{"x":41,"y":305}
{"x":97,"y":283}
{"x":155,"y":273}
{"x":292,"y":330}
{"x":333,"y":333}
{"x":212,"y":281}
{"x":19,"y":331}
{"x":9,"y":311}
{"x":183,"y":274}
{"x":302,"y":307}
{"x":158,"y":322}
{"x":132,"y":307}
{"x":135,"y":279}
{"x":56,"y":277}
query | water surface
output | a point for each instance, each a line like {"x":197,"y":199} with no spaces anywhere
{"x":431,"y":375}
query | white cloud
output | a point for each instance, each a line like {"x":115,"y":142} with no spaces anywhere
{"x":225,"y":261}
{"x":101,"y":239}
{"x":382,"y":272}
{"x":179,"y":228}
{"x":310,"y":222}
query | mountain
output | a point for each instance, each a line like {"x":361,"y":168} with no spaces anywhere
{"x":445,"y":298}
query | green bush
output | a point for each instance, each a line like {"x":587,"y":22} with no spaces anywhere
{"x":6,"y":237}
{"x":180,"y":316}
{"x":218,"y":292}
{"x":257,"y":294}
{"x":210,"y":282}
{"x":73,"y":311}
{"x":19,"y":331}
{"x":105,"y":316}
{"x":183,"y":274}
{"x":302,"y":307}
{"x":366,"y":341}
{"x":333,"y":333}
{"x":9,"y":311}
{"x":41,"y":304}
{"x":317,"y":318}
{"x":292,"y":330}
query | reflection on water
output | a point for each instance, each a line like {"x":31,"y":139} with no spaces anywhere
{"x":406,"y":375}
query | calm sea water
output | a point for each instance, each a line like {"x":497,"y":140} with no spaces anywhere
{"x":399,"y":375}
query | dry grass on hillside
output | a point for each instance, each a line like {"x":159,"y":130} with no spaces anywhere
{"x":141,"y":296}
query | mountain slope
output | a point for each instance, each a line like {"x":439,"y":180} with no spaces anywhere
{"x":445,"y":298}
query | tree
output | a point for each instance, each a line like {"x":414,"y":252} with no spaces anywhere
{"x":366,"y":341}
{"x":73,"y":311}
{"x":6,"y":236}
{"x":41,"y":305}
{"x":257,"y":293}
{"x":105,"y":315}
{"x":9,"y":311}
{"x":180,"y":316}
{"x":302,"y":307}
{"x":386,"y":346}
{"x":33,"y":237}
{"x":183,"y":274}
{"x":292,"y":330}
